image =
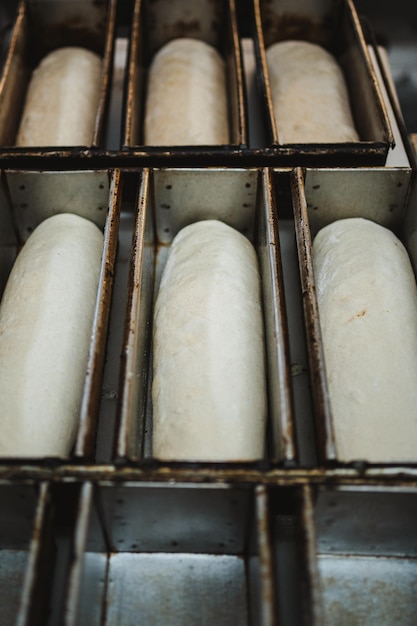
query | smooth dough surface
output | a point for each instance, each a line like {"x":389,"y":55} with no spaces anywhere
{"x":62,"y":99}
{"x":367,"y":300}
{"x":209,"y":396}
{"x":46,"y":316}
{"x":186,"y":102}
{"x":309,"y":94}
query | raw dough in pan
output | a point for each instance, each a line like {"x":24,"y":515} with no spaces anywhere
{"x":367,"y":299}
{"x":309,"y":94}
{"x":62,"y":100}
{"x":46,"y":317}
{"x":209,"y":389}
{"x":186,"y":101}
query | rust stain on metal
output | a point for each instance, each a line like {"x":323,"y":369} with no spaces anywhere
{"x":287,"y":26}
{"x":75,"y":33}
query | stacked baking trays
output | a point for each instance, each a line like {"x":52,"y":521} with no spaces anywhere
{"x":111,"y":535}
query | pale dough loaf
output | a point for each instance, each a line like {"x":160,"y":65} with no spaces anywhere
{"x":209,"y":395}
{"x":367,"y":301}
{"x":46,"y":316}
{"x":309,"y":94}
{"x":186,"y":102}
{"x":62,"y":99}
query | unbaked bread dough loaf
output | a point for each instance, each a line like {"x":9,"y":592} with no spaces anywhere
{"x":209,"y":396}
{"x":309,"y":94}
{"x":186,"y":102}
{"x":62,"y":99}
{"x":46,"y":316}
{"x":367,"y":300}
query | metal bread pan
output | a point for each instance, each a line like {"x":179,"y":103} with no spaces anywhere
{"x":155,"y":22}
{"x":27,"y":553}
{"x":32,"y":196}
{"x":366,"y":554}
{"x":174,"y":554}
{"x":40,"y":27}
{"x":168,"y":200}
{"x":335,"y":26}
{"x":321,"y":196}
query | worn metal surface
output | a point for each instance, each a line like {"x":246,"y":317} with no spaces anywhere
{"x":186,"y":195}
{"x":366,"y":554}
{"x":39,"y":571}
{"x":14,"y":79}
{"x":266,"y":606}
{"x":26,"y":557}
{"x":86,"y":440}
{"x":135,"y":354}
{"x":315,"y":548}
{"x":197,"y":554}
{"x":76,"y":582}
{"x":320,"y":396}
{"x":364,"y":590}
{"x":283,"y":441}
{"x":366,"y":521}
{"x":298,"y":358}
{"x":379,"y":194}
{"x":190,"y":589}
{"x":288,"y":555}
{"x":36,"y":195}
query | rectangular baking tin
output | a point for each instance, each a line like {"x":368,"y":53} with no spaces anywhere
{"x":95,"y":195}
{"x":40,"y":27}
{"x":155,"y":22}
{"x":243,"y":199}
{"x":177,"y":554}
{"x":319,"y":197}
{"x":336,"y":26}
